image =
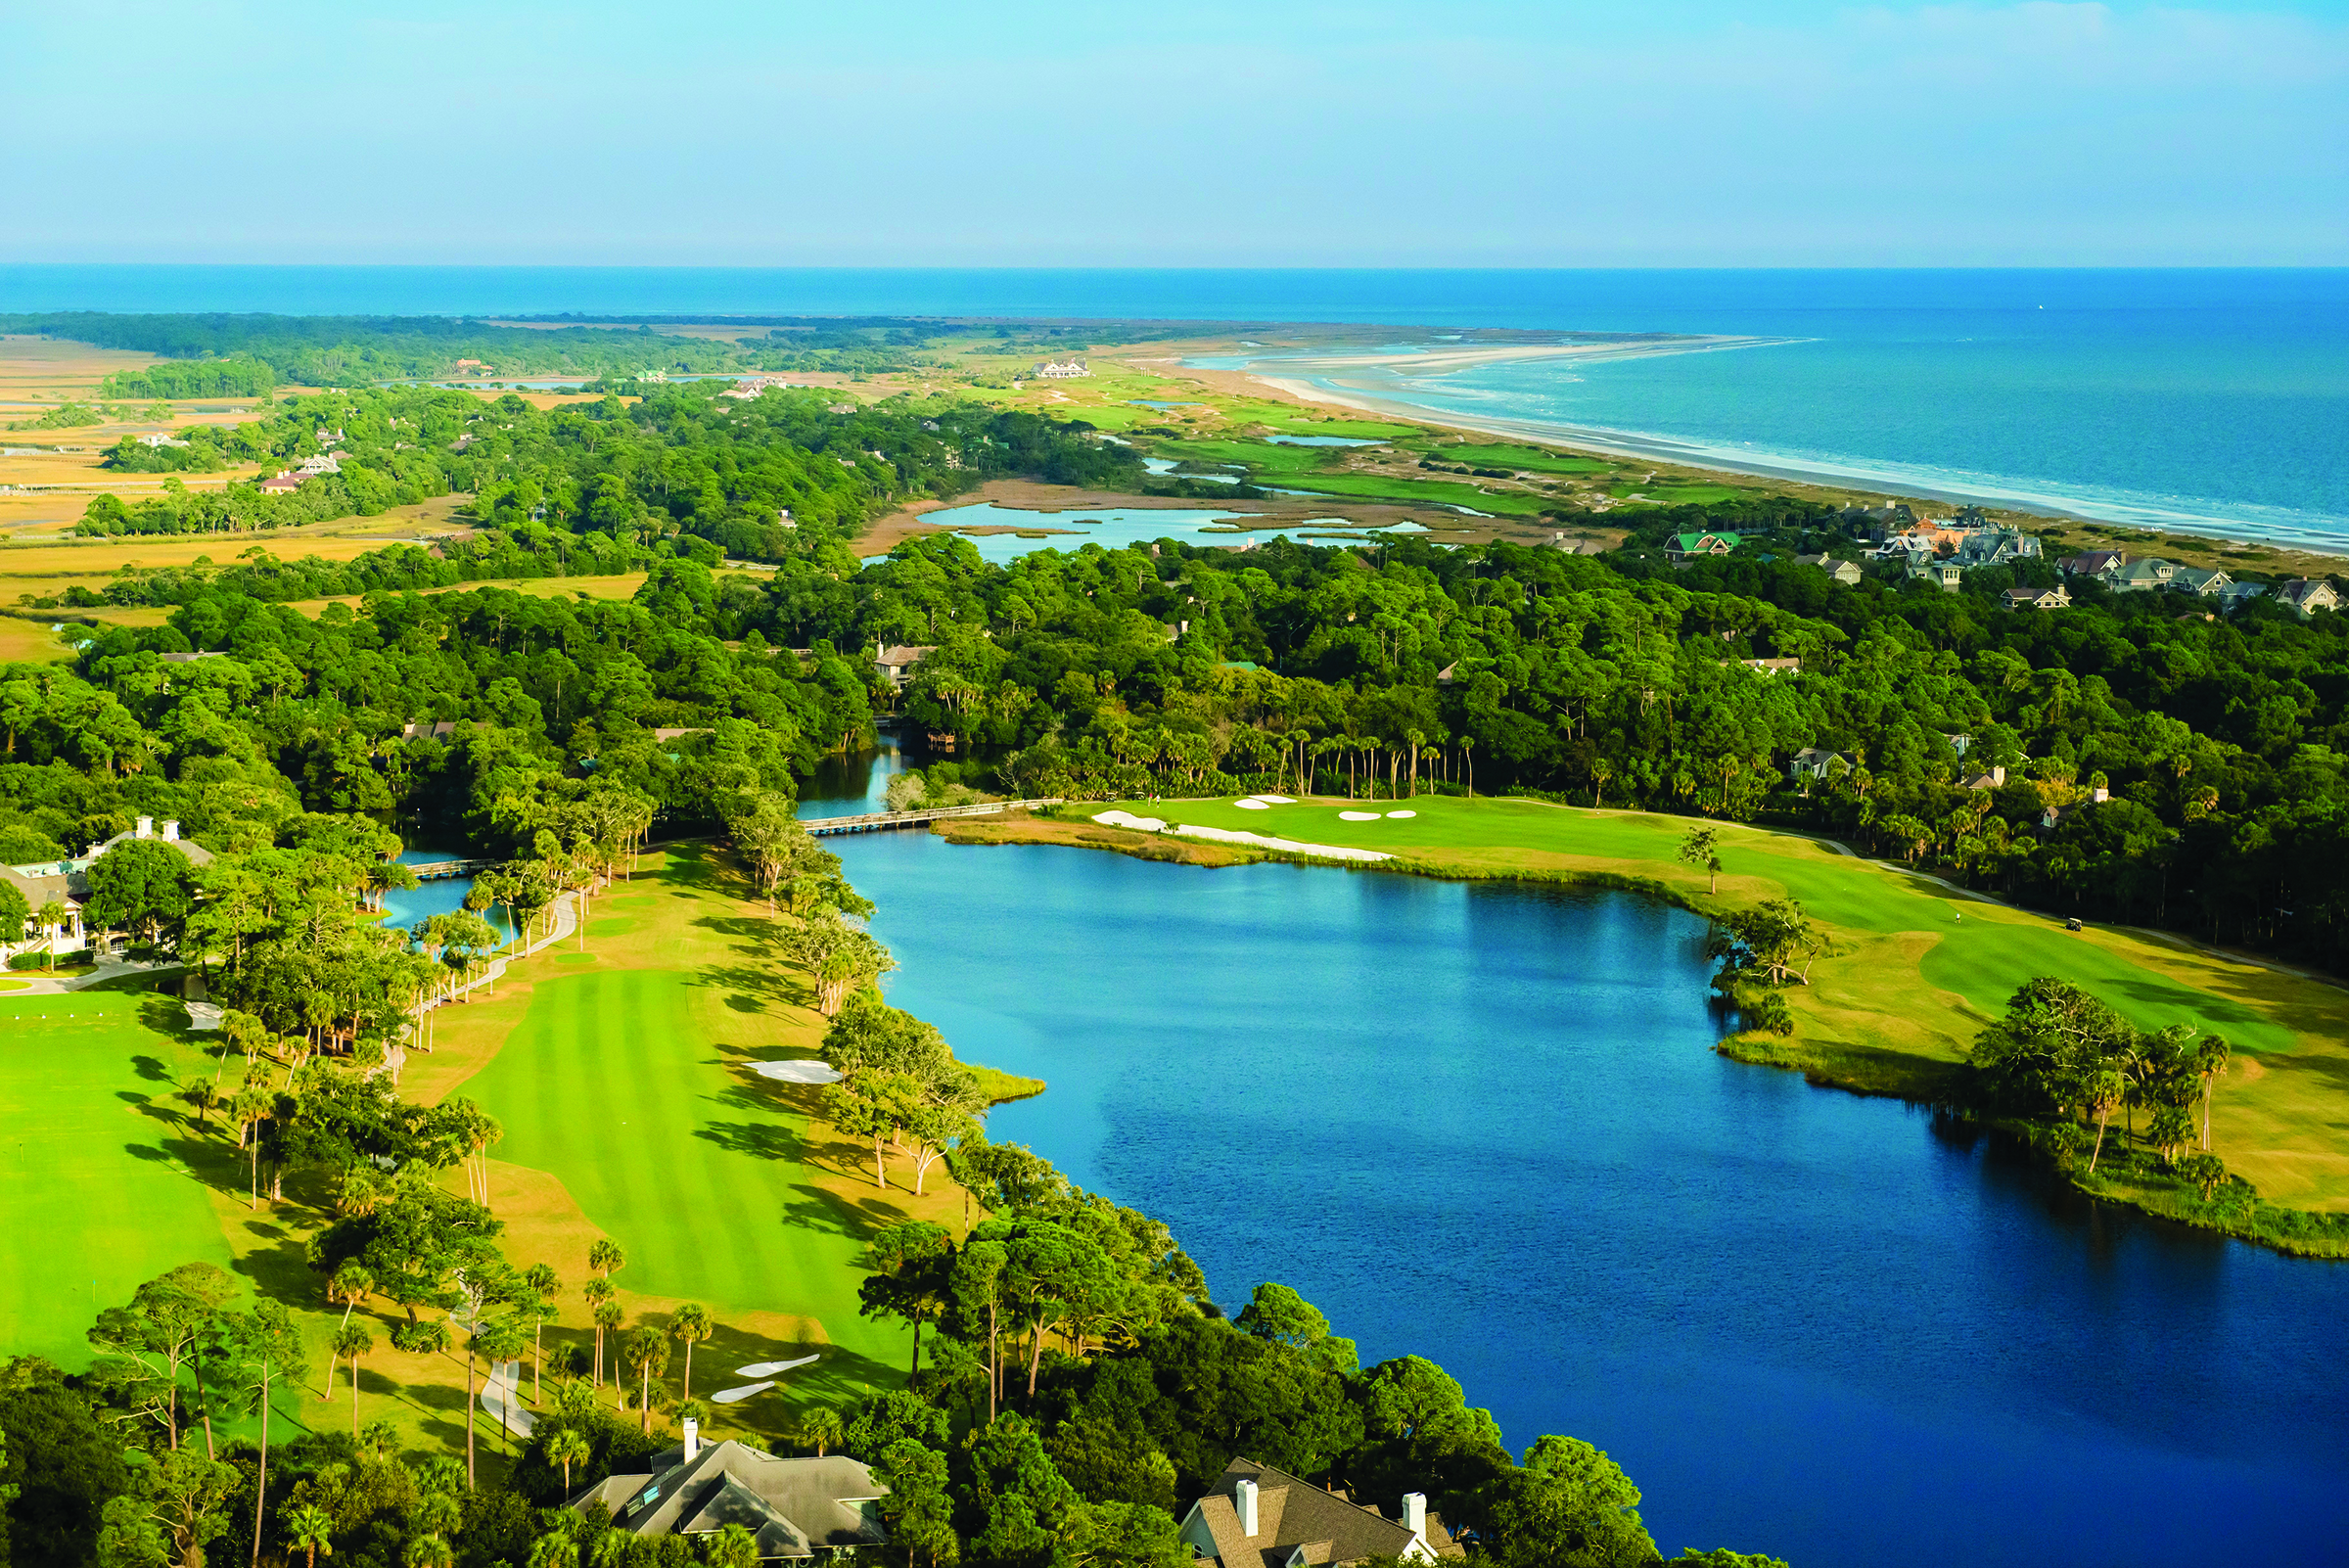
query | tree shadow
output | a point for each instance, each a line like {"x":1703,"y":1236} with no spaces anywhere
{"x":151,"y":1069}
{"x":820,"y":1208}
{"x":757,"y":1140}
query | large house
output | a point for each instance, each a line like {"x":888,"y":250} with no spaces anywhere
{"x":1815,"y":765}
{"x":1259,"y":1517}
{"x":2142,"y":576}
{"x":893,"y":662}
{"x":1845,"y":572}
{"x":2309,"y":595}
{"x":68,"y":882}
{"x":282,"y":484}
{"x":2209,"y":581}
{"x":796,"y":1509}
{"x":1947,"y":573}
{"x":2100,"y":564}
{"x":1688,"y":546}
{"x":2055,"y":598}
{"x":1061,"y":370}
{"x":1990,"y":546}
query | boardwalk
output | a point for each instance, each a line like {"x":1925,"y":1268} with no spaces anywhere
{"x":438,"y":870}
{"x":876,"y":821}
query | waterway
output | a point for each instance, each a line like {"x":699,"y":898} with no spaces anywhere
{"x":1484,"y":1125}
{"x":1115,"y":527}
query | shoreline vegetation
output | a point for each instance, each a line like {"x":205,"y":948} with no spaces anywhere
{"x":1868,"y":1063}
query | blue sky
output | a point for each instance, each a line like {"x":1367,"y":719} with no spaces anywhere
{"x":1200,"y":132}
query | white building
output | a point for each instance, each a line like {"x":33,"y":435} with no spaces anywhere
{"x":1061,"y":370}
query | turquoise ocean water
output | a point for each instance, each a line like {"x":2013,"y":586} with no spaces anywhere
{"x":2215,"y":400}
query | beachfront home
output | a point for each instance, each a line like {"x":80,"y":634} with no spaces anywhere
{"x":1689,"y":546}
{"x":1814,"y":764}
{"x":795,"y":1509}
{"x":1259,"y":1517}
{"x":1946,"y":573}
{"x":2097,"y":563}
{"x":2236,"y":593}
{"x":1910,"y":547}
{"x":1845,"y":572}
{"x":68,"y":883}
{"x":2055,"y":598}
{"x":2142,"y":576}
{"x":1989,"y":547}
{"x":894,"y":662}
{"x":1061,"y":370}
{"x":2205,"y":581}
{"x":2308,"y":595}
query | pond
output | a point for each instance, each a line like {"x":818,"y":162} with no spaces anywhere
{"x":1115,"y":527}
{"x":1484,"y":1124}
{"x":443,"y":895}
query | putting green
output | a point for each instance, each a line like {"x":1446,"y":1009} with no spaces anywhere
{"x":609,"y":1084}
{"x":97,"y":1198}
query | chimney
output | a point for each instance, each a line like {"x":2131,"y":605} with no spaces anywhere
{"x":146,"y":827}
{"x":693,"y":1439}
{"x":1998,"y":773}
{"x":1243,"y":1499}
{"x":1414,"y":1512}
{"x":172,"y":831}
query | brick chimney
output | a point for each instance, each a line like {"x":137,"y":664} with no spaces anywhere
{"x":1243,"y":1499}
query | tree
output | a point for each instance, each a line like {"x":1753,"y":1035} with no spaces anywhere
{"x":139,"y":882}
{"x":1702,"y":848}
{"x":566,"y":1448}
{"x":1568,"y":1506}
{"x":919,"y":1514}
{"x":499,"y":1339}
{"x":2106,"y":1091}
{"x":820,"y":1429}
{"x":545,"y":1286}
{"x":266,"y":1346}
{"x":14,"y":914}
{"x":147,"y":1346}
{"x":171,"y":1517}
{"x":646,"y":1352}
{"x":307,"y":1530}
{"x":911,"y":1266}
{"x":353,"y":1341}
{"x":608,"y":1317}
{"x":731,"y":1547}
{"x":2209,"y":1061}
{"x":690,"y":1325}
{"x":605,"y":1257}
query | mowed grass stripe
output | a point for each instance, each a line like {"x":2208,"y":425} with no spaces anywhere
{"x":609,"y":1084}
{"x":95,"y":1188}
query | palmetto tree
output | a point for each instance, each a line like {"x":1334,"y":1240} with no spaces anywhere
{"x":690,"y":1325}
{"x":429,"y":1551}
{"x":820,"y":1429}
{"x":646,"y":1352}
{"x":307,"y":1530}
{"x":605,"y":1257}
{"x":545,"y":1286}
{"x":353,"y":1341}
{"x":567,"y":1448}
{"x":2105,"y":1093}
{"x":607,"y":1323}
{"x":352,"y":1284}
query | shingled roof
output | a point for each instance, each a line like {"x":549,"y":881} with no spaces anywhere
{"x":1299,"y":1523}
{"x":794,"y":1507}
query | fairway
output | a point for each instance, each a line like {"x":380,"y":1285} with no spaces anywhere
{"x":98,"y":1187}
{"x":1916,"y":968}
{"x":609,"y":1086}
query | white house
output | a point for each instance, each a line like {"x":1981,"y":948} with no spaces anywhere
{"x":1061,"y":370}
{"x":68,"y":883}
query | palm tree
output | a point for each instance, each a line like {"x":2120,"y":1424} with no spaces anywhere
{"x":607,"y":1321}
{"x":567,"y":1448}
{"x":52,"y":917}
{"x":820,"y":1429}
{"x":689,"y":1325}
{"x":429,"y":1551}
{"x":645,"y":1352}
{"x":352,"y":1284}
{"x":605,"y":1257}
{"x":543,"y":1283}
{"x":2105,"y":1093}
{"x":732,"y":1547}
{"x":2210,"y":1060}
{"x":307,"y":1529}
{"x":500,"y":1339}
{"x":353,"y":1341}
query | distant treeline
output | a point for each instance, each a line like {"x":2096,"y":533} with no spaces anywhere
{"x":196,"y":378}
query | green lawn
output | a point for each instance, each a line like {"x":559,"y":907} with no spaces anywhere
{"x":98,"y":1197}
{"x":1531,"y":458}
{"x":609,"y":1085}
{"x":1663,"y":494}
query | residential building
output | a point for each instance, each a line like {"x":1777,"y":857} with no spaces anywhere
{"x":1994,"y":778}
{"x":2236,"y":593}
{"x":2142,"y":576}
{"x":1845,"y":572}
{"x":68,"y":883}
{"x":1947,"y":573}
{"x":1773,"y":667}
{"x":1061,"y":370}
{"x":186,"y":658}
{"x":323,"y":463}
{"x":894,"y":662}
{"x":1989,"y":548}
{"x":1259,"y":1517}
{"x":282,"y":484}
{"x":2206,"y":582}
{"x":795,"y":1509}
{"x":2308,"y":595}
{"x":1960,"y":743}
{"x":1687,"y":547}
{"x":160,"y":440}
{"x":1814,"y":764}
{"x":2100,"y":564}
{"x":2055,"y":598}
{"x":1910,"y":547}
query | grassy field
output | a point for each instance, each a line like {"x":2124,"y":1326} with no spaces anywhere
{"x":1534,"y":459}
{"x":1916,"y":968}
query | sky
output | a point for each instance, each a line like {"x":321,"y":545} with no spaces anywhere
{"x":1199,"y":133}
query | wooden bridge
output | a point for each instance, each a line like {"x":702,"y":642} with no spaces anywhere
{"x":442,"y":870}
{"x":877,"y":822}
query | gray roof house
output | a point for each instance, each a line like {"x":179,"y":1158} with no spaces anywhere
{"x":2308,"y":594}
{"x":1847,"y":571}
{"x":1259,"y":1517}
{"x":894,"y":661}
{"x":797,"y":1508}
{"x":2197,"y":579}
{"x":1994,"y":546}
{"x":2153,"y":571}
{"x":2059,"y":597}
{"x":1816,"y":763}
{"x":68,"y":882}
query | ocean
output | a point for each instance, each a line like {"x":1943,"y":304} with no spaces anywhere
{"x":2197,"y":400}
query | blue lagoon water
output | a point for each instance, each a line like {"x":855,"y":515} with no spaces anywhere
{"x":1484,"y":1124}
{"x":2213,"y":398}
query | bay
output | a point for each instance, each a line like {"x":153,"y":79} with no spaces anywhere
{"x":1484,"y":1125}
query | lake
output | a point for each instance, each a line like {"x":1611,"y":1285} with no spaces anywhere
{"x":1484,"y":1124}
{"x":1115,"y":527}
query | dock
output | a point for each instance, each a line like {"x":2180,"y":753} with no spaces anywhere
{"x":881,"y":821}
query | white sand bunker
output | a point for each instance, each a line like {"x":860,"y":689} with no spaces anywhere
{"x":1402,"y":814}
{"x":1127,"y":819}
{"x":796,"y":1072}
{"x":1357,"y":816}
{"x":1273,"y":800}
{"x":1325,"y":852}
{"x":1252,"y":806}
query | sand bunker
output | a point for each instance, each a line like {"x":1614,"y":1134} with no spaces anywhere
{"x":796,"y":1072}
{"x":1402,"y":814}
{"x":1252,"y":806}
{"x":1357,"y":816}
{"x":1127,"y":819}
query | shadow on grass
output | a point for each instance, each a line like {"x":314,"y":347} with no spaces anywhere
{"x":757,"y":1140}
{"x":819,"y":1209}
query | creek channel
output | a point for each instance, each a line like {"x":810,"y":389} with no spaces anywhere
{"x":1483,"y":1123}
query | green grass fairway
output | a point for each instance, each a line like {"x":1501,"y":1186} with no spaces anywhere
{"x":97,"y":1187}
{"x":609,"y":1084}
{"x":1531,"y":458}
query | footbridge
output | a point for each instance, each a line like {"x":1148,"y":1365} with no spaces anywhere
{"x":878,"y":821}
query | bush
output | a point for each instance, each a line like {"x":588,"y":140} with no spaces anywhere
{"x":427,"y":1338}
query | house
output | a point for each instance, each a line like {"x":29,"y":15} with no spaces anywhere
{"x":68,"y":883}
{"x":1992,"y":779}
{"x":281,"y":484}
{"x":1772,"y":666}
{"x":429,"y":729}
{"x":1259,"y":1517}
{"x":1846,"y":571}
{"x":1958,"y":743}
{"x":1948,"y":574}
{"x":2142,"y":576}
{"x":186,"y":658}
{"x":160,"y":440}
{"x":1687,"y":546}
{"x":893,"y":662}
{"x":672,"y":732}
{"x":2055,"y":598}
{"x":2236,"y":593}
{"x":2308,"y":595}
{"x":1061,"y":370}
{"x":2049,"y":819}
{"x":2097,"y":563}
{"x":1817,"y":764}
{"x":1910,"y":547}
{"x":1989,"y":548}
{"x":796,"y":1509}
{"x":2208,"y":582}
{"x":323,"y":463}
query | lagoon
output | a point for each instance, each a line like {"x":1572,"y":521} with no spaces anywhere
{"x":1115,"y":527}
{"x":1484,"y":1124}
